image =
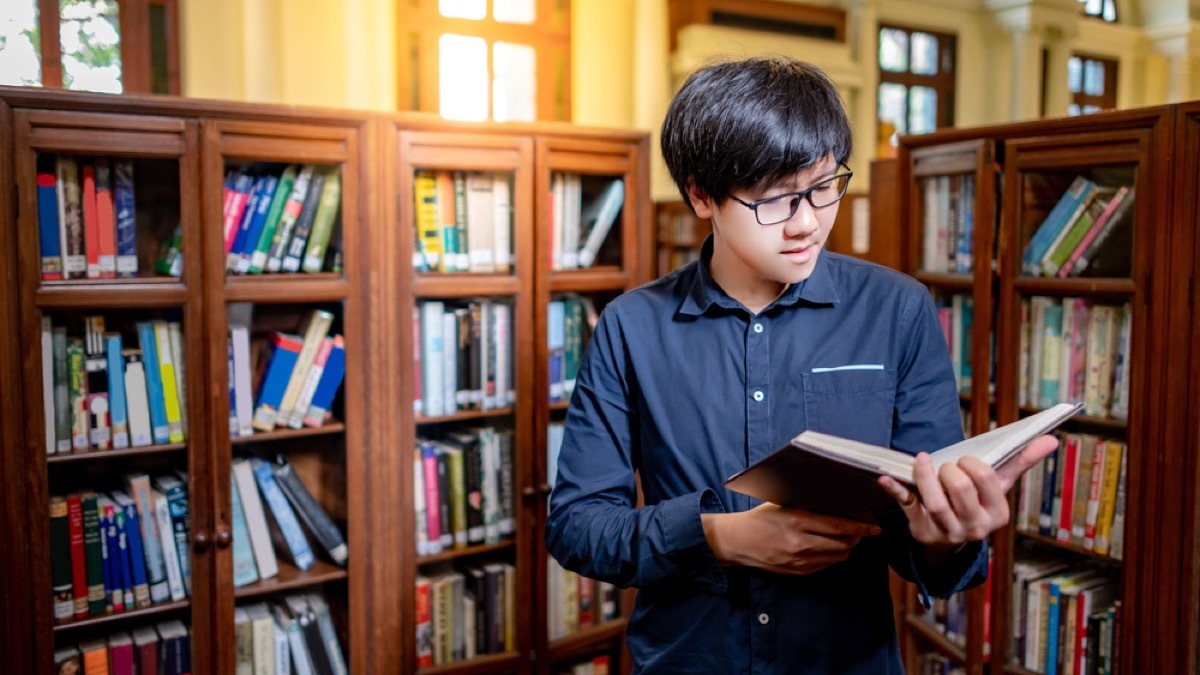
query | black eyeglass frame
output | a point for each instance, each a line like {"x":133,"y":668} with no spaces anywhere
{"x":802,"y":194}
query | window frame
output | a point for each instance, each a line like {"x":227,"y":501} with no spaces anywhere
{"x":941,"y":82}
{"x":1105,"y":101}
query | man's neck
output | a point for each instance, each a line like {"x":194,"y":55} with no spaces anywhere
{"x":738,"y":281}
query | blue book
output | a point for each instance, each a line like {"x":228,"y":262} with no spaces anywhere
{"x":107,"y":552}
{"x":285,"y":351}
{"x":239,"y":239}
{"x":1047,"y":233}
{"x":233,"y":418}
{"x":154,"y":386}
{"x":245,"y":571}
{"x":262,"y":206}
{"x":175,"y":491}
{"x":123,"y":555}
{"x":117,"y":413}
{"x":1046,"y":512}
{"x":48,"y":235}
{"x":327,"y":388}
{"x":133,"y":546}
{"x":285,"y":518}
{"x":1052,"y":627}
{"x":125,"y":217}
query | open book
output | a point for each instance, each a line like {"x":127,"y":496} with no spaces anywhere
{"x":837,"y":476}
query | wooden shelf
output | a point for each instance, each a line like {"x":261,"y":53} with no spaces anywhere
{"x":465,"y":416}
{"x":120,"y":617}
{"x":464,"y":285}
{"x":589,"y":280}
{"x":100,"y":455}
{"x":491,"y":663}
{"x":1077,"y":550}
{"x":587,"y":640}
{"x":285,"y":288}
{"x":469,"y":552}
{"x":97,"y":294}
{"x":946,"y":281}
{"x":327,"y":429}
{"x":935,"y":637}
{"x":290,"y":578}
{"x":1117,"y":288}
{"x":558,"y":406}
{"x":1108,"y":424}
{"x":1012,"y":669}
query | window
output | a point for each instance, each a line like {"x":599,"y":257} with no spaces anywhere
{"x":1093,"y":84}
{"x":475,"y":60}
{"x":1101,"y":9}
{"x":91,"y":45}
{"x":916,"y":81}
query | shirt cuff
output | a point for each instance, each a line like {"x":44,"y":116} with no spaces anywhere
{"x":962,"y":570}
{"x":683,"y":533}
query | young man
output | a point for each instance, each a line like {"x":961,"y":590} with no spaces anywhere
{"x":694,"y":377}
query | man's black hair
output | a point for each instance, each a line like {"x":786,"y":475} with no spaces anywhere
{"x":736,"y":124}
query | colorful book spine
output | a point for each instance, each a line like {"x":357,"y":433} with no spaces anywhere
{"x":166,"y":539}
{"x":239,"y":188}
{"x":427,"y":226}
{"x":244,"y":570}
{"x":155,"y":565}
{"x":61,"y":572}
{"x":136,"y":548}
{"x":126,"y":218}
{"x":76,"y":369}
{"x":117,"y":408}
{"x":70,"y":218}
{"x":48,"y":235}
{"x":331,"y":381}
{"x":280,"y":363}
{"x":318,"y":327}
{"x":323,"y":224}
{"x":93,"y":552}
{"x":262,"y":248}
{"x":309,"y":387}
{"x":91,"y":224}
{"x":292,"y":211}
{"x":62,"y":391}
{"x":78,"y":556}
{"x":106,"y":227}
{"x":170,"y":388}
{"x":159,"y":427}
{"x":315,"y":518}
{"x":176,"y":494}
{"x":253,"y":202}
{"x":297,"y":545}
{"x":262,"y":211}
{"x":294,"y":251}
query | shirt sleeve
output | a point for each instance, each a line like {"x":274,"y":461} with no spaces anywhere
{"x":594,"y":527}
{"x":927,"y":418}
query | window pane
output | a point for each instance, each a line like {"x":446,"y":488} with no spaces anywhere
{"x":463,"y":9}
{"x":514,"y":11}
{"x":922,"y":110}
{"x":1089,"y":109}
{"x":20,"y":43}
{"x":1074,"y":74}
{"x":924,"y":54}
{"x":1093,"y":78}
{"x":514,"y":89}
{"x":893,"y":106}
{"x":1073,"y":110}
{"x":893,"y":50}
{"x":1093,"y":7}
{"x":1110,"y":11}
{"x":91,"y":45}
{"x":463,"y":77}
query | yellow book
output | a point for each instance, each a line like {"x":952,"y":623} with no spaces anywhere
{"x":1108,"y":494}
{"x":170,"y":388}
{"x":429,"y":231}
{"x":314,"y":335}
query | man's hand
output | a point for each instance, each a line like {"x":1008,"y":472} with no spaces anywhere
{"x":782,"y":540}
{"x":965,"y":501}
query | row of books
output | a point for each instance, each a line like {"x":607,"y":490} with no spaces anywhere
{"x":1089,"y":232}
{"x":464,"y":355}
{"x":583,"y":210}
{"x":258,"y":488}
{"x":575,"y":603}
{"x":1075,"y":351}
{"x":948,"y":616}
{"x":164,"y":648}
{"x":1064,"y":617}
{"x":97,"y":395}
{"x":463,"y":483}
{"x":571,"y":319}
{"x":601,"y":664}
{"x":949,"y":225}
{"x":281,"y":220}
{"x":956,"y":316}
{"x":937,"y":664}
{"x":295,"y":377}
{"x":86,"y":218}
{"x":121,"y":550}
{"x":463,"y":221}
{"x":294,"y":634}
{"x":465,"y":611}
{"x":1077,"y":495}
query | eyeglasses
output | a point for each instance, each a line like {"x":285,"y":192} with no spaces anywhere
{"x":777,"y":209}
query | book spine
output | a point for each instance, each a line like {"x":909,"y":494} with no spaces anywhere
{"x":327,"y":388}
{"x":155,"y":565}
{"x":323,"y":224}
{"x":93,"y":551}
{"x":170,"y":388}
{"x":159,"y":429}
{"x":105,"y":221}
{"x":123,"y":558}
{"x":258,"y":222}
{"x":297,"y":545}
{"x":91,"y":224}
{"x":47,"y":353}
{"x":162,"y":515}
{"x":304,"y":223}
{"x":137,"y":556}
{"x":71,"y":217}
{"x":62,"y":569}
{"x":77,"y":557}
{"x":136,"y":400}
{"x":119,"y":417}
{"x":126,"y":218}
{"x":280,"y":363}
{"x":292,"y":209}
{"x":256,"y":201}
{"x":283,"y":191}
{"x":315,"y":518}
{"x":244,"y":570}
{"x":318,"y":328}
{"x":80,"y":426}
{"x":309,"y":387}
{"x":62,"y":392}
{"x":427,"y":226}
{"x":48,"y":237}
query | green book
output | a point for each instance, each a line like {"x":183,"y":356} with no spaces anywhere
{"x":92,"y":555}
{"x":60,"y":559}
{"x":258,"y":259}
{"x":1055,"y":259}
{"x":327,"y":216}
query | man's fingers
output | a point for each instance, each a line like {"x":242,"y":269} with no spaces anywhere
{"x":907,"y":499}
{"x":1037,"y":450}
{"x":991,"y":492}
{"x":832,"y":526}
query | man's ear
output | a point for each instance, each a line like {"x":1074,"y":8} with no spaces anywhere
{"x":702,"y":204}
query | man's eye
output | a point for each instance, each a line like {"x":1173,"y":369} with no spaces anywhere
{"x":823,"y":187}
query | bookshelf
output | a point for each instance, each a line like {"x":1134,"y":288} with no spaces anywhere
{"x":1019,"y":173}
{"x":679,"y":235}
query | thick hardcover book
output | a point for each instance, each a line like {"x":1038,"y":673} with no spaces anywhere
{"x":285,"y":519}
{"x":154,"y":564}
{"x":279,"y":361}
{"x":294,"y":252}
{"x":323,"y":224}
{"x":48,"y":238}
{"x":61,"y":560}
{"x":838,"y":476}
{"x":315,"y":518}
{"x":262,"y":247}
{"x":135,"y":547}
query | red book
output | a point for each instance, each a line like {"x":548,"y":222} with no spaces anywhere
{"x":106,"y":228}
{"x":78,"y":567}
{"x":145,"y":647}
{"x":1070,"y":466}
{"x":91,"y":225}
{"x":586,"y":591}
{"x":120,"y":654}
{"x":424,"y":624}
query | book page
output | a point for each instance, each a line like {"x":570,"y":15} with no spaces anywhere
{"x":999,"y":445}
{"x":873,"y":458}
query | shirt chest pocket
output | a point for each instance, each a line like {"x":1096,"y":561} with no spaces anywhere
{"x":854,"y":402}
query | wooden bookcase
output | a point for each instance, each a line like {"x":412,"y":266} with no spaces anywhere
{"x":1019,"y":173}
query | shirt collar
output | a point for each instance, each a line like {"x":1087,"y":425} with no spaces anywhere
{"x":703,"y":291}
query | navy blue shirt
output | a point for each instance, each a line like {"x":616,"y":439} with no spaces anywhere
{"x":685,"y":386}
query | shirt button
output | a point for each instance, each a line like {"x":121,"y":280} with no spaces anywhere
{"x":758,"y":328}
{"x":763,"y":618}
{"x":758,"y":396}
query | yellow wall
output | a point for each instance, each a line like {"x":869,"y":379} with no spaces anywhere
{"x":602,"y":67}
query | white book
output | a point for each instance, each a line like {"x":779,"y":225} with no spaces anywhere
{"x":256,"y":520}
{"x":500,"y":328}
{"x":48,"y":385}
{"x":244,"y":642}
{"x":318,"y":328}
{"x":242,"y":394}
{"x":489,"y":451}
{"x":502,"y":222}
{"x":283,"y":656}
{"x":449,"y":362}
{"x":432,"y":385}
{"x":296,"y":420}
{"x":558,"y":196}
{"x":613,"y":198}
{"x":481,"y":230}
{"x":137,"y":406}
{"x":572,"y":214}
{"x":262,"y":629}
{"x":487,"y":398}
{"x":175,"y":333}
{"x":166,"y":539}
{"x":152,"y":541}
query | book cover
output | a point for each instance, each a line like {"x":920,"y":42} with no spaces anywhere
{"x":262,"y":248}
{"x":125,"y":216}
{"x":137,"y":404}
{"x":106,"y":226}
{"x":322,"y":228}
{"x":280,"y":360}
{"x":294,"y":251}
{"x":283,"y":516}
{"x":61,"y":562}
{"x":244,"y":569}
{"x":48,"y":238}
{"x":327,"y":388}
{"x":838,"y":476}
{"x":315,"y":518}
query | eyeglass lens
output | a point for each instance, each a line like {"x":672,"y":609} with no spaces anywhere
{"x":785,"y":206}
